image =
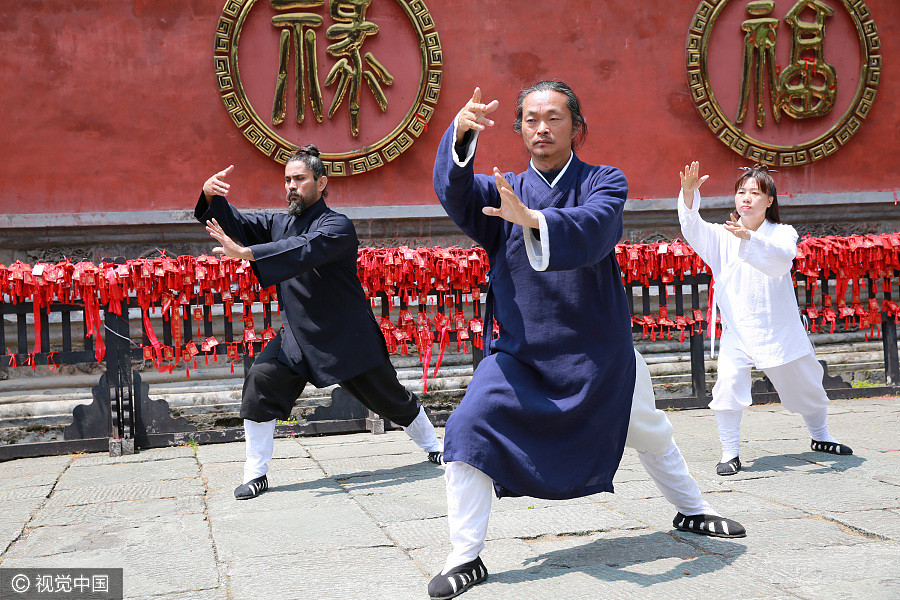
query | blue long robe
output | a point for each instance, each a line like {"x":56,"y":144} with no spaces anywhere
{"x":546,"y":412}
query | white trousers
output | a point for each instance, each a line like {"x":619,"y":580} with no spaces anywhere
{"x":469,"y":490}
{"x":798,"y":383}
{"x":260,"y":442}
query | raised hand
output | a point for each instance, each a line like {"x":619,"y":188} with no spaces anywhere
{"x":474,"y":115}
{"x":511,"y":208}
{"x":229,"y":247}
{"x":690,"y":177}
{"x":736,"y":228}
{"x":216,"y":186}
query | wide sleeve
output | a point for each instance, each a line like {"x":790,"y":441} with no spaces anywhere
{"x":463,"y":194}
{"x":705,"y":238}
{"x":246,"y":228}
{"x":772,"y":254}
{"x":291,"y":256}
{"x":583,"y":235}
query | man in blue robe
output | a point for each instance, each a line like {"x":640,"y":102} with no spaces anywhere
{"x":561,"y":391}
{"x":329,"y":334}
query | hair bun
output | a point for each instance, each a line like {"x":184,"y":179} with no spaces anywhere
{"x":309,"y":149}
{"x":759,"y":167}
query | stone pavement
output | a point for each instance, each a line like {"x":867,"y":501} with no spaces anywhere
{"x":363,"y":517}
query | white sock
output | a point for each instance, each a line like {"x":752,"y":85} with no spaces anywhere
{"x":729,"y":422}
{"x":469,"y":492}
{"x":817,"y":425}
{"x":421,"y":431}
{"x":260,"y":441}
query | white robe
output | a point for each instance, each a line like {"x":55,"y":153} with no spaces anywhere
{"x":753,"y":287}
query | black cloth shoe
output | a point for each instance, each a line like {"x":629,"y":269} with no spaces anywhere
{"x":436,"y":457}
{"x":457,"y":580}
{"x":252,"y":488}
{"x":830,"y":447}
{"x":709,"y":525}
{"x":729,"y":468}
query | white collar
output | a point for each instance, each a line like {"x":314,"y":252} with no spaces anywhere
{"x":558,"y":175}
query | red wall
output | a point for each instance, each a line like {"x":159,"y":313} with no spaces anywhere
{"x":113,"y":106}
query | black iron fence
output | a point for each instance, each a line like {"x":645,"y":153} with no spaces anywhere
{"x":123,"y":417}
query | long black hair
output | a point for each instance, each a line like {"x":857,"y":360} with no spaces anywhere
{"x":579,"y":125}
{"x":760,"y":173}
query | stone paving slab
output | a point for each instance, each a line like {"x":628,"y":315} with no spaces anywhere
{"x":21,"y":510}
{"x":154,"y":536}
{"x":9,"y":532}
{"x":15,"y":483}
{"x":291,"y":522}
{"x":377,"y":573}
{"x":363,"y":447}
{"x":236,"y":452}
{"x":659,"y":514}
{"x":178,"y":569}
{"x":822,"y":568}
{"x":387,"y":465}
{"x":875,"y":589}
{"x":874,"y":522}
{"x":155,"y":509}
{"x":218,"y":593}
{"x":420,"y":495}
{"x":142,"y":456}
{"x":222,"y":478}
{"x":45,"y":464}
{"x":363,"y":516}
{"x":827,"y":491}
{"x":93,"y":494}
{"x":79,"y":475}
{"x":26,"y":493}
{"x":621,"y":564}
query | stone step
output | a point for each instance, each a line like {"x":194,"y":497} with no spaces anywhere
{"x":44,"y":401}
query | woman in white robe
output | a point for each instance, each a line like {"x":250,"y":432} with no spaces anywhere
{"x":750,"y":257}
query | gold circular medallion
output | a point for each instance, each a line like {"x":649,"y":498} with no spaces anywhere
{"x":370,"y":60}
{"x":783,"y":82}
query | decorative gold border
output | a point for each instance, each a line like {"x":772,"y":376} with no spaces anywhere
{"x":227,"y":71}
{"x":820,"y":147}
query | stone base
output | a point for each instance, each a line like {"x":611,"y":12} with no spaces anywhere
{"x":121,"y":447}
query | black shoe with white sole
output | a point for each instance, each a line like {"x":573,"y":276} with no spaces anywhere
{"x":729,"y":467}
{"x":709,"y":525}
{"x":252,"y":488}
{"x":830,"y":447}
{"x":457,"y":580}
{"x":436,"y":457}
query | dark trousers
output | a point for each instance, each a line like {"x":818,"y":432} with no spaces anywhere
{"x":271,"y":388}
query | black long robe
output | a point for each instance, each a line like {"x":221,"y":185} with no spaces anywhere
{"x":311,"y":260}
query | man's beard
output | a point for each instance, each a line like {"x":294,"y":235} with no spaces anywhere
{"x":297,"y":203}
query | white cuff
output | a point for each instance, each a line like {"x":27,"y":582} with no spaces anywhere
{"x":538,"y":250}
{"x":470,"y":149}
{"x":695,"y":205}
{"x":746,"y":246}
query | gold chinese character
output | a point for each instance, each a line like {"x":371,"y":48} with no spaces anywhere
{"x":759,"y":52}
{"x":807,"y":87}
{"x":351,"y":30}
{"x":306,"y":73}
